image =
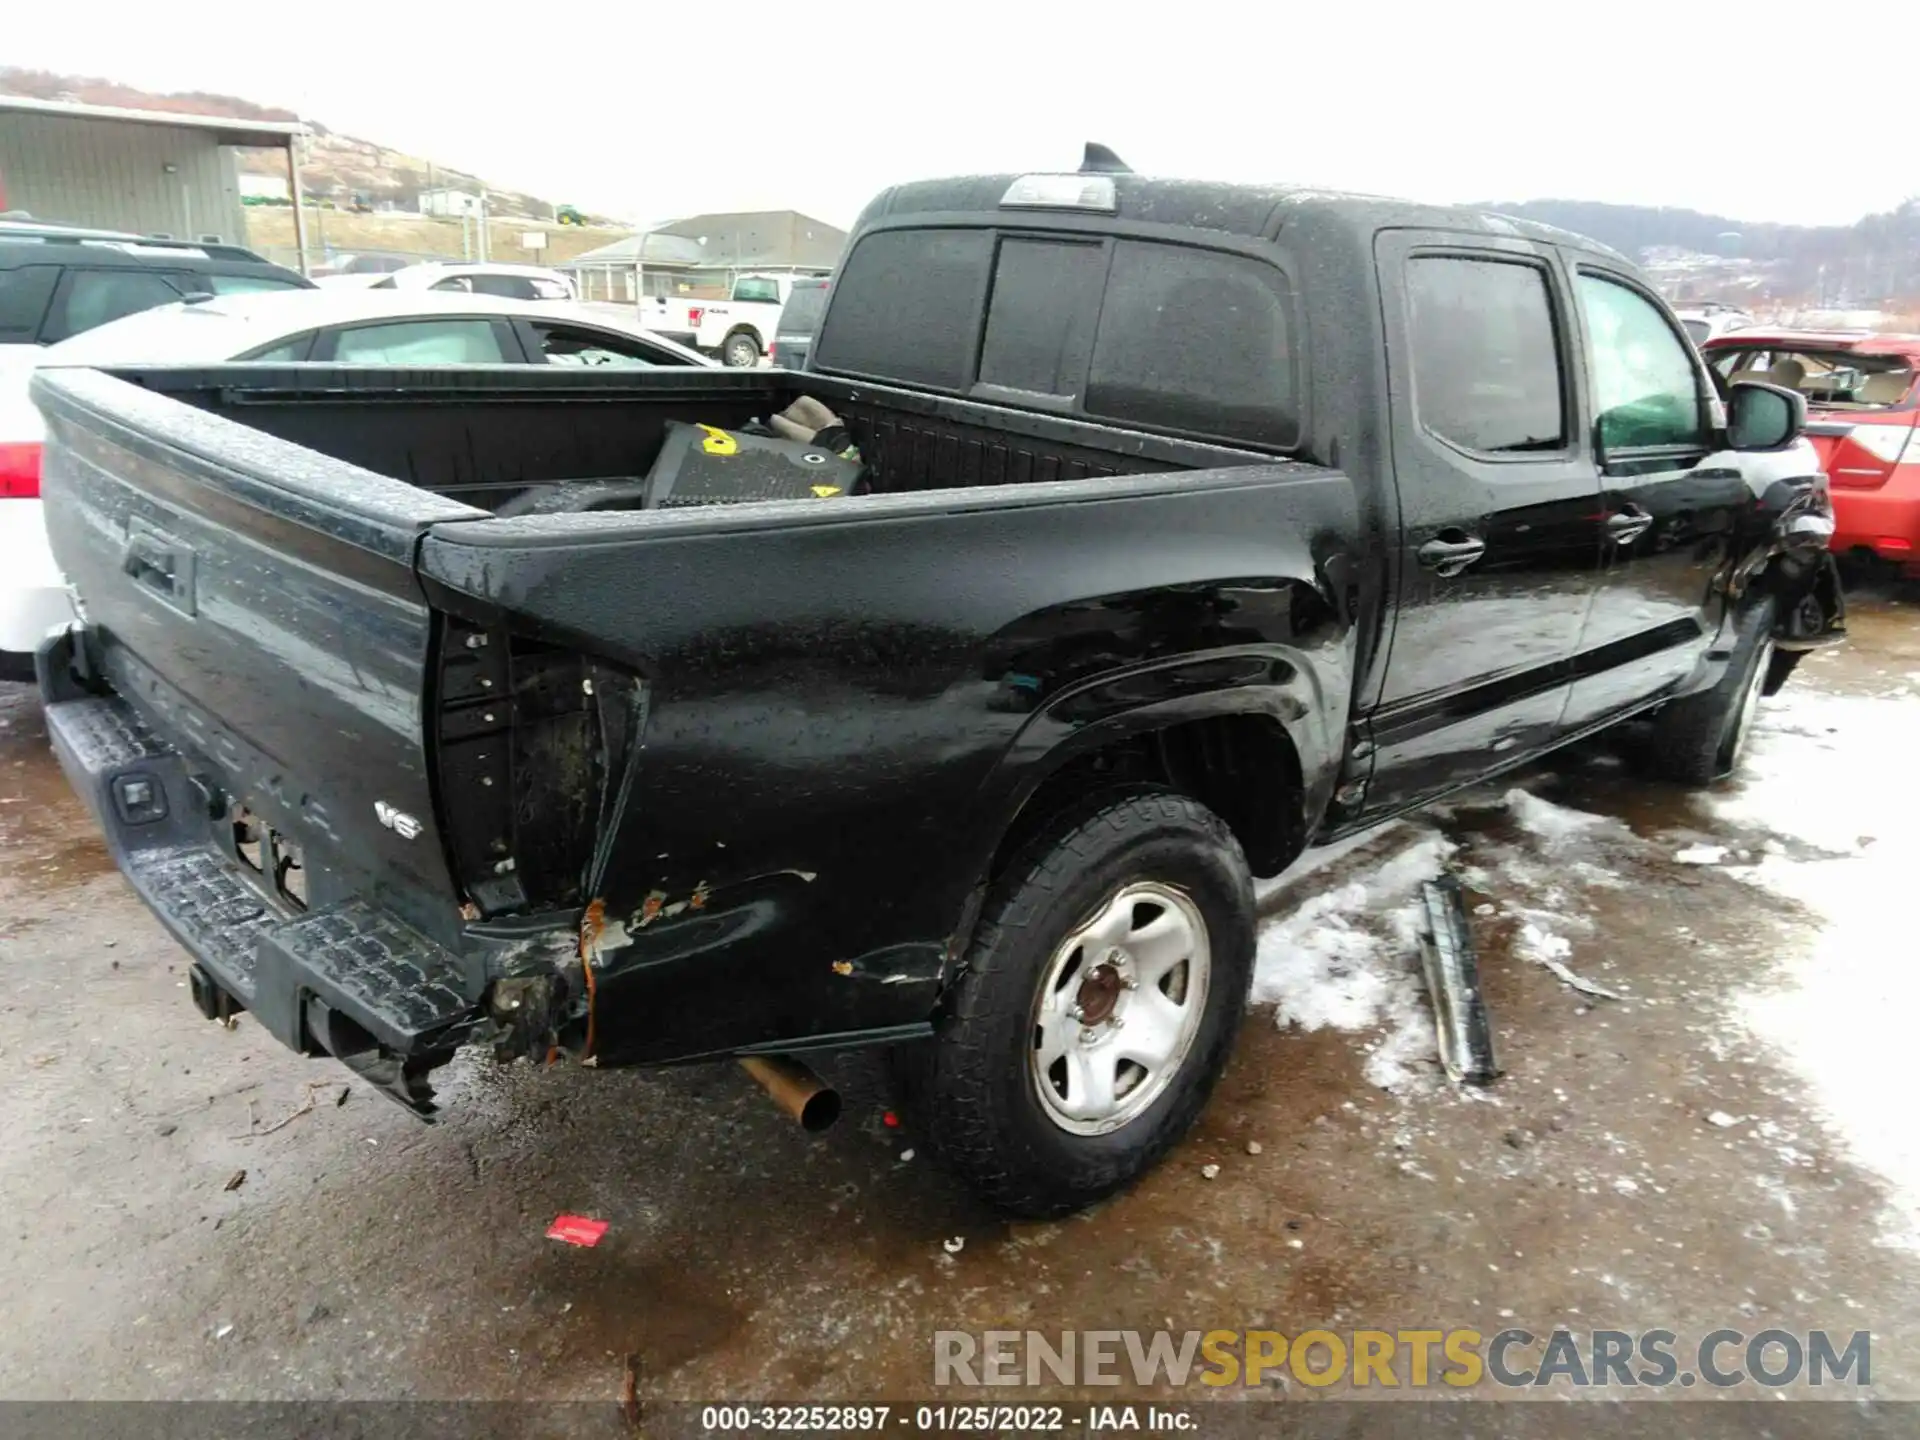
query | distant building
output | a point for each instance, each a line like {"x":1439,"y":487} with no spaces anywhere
{"x":151,"y":172}
{"x":762,"y":239}
{"x":699,"y":257}
{"x":451,"y":204}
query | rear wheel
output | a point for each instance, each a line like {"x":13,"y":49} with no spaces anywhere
{"x":1700,"y":738}
{"x":1097,"y":1005}
{"x":741,"y":350}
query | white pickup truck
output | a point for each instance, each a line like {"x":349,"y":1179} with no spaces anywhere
{"x":737,"y":328}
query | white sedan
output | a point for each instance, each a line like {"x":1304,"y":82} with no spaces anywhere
{"x":339,"y":327}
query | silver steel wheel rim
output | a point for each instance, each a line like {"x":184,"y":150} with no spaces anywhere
{"x":1750,"y":702}
{"x":741,"y":354}
{"x":1118,"y":1009}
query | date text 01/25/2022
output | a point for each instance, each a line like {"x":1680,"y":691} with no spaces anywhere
{"x":947,"y":1419}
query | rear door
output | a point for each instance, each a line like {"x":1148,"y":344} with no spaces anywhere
{"x":88,"y":296}
{"x":1500,"y":540}
{"x":1671,"y":497}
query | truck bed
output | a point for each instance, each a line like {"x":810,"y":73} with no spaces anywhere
{"x":486,"y":435}
{"x":685,"y":782}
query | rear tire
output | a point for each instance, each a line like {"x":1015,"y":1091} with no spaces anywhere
{"x":1135,"y":906}
{"x":1699,"y":738}
{"x":740,"y":350}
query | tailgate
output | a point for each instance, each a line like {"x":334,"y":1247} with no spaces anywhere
{"x":255,"y":602}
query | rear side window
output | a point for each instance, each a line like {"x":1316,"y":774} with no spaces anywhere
{"x":287,"y":352}
{"x":1195,"y":340}
{"x":420,"y":342}
{"x":757,"y":290}
{"x":1040,"y":319}
{"x":244,"y":284}
{"x":24,"y":293}
{"x":1486,"y":356}
{"x":907,"y":307}
{"x":93,"y":297}
{"x":803,"y":310}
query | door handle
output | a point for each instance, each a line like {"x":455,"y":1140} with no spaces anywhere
{"x":1447,"y":556}
{"x":1628,"y":525}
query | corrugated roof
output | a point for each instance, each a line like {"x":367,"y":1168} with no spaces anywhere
{"x":743,"y":238}
{"x":266,"y":134}
{"x":658,"y":249}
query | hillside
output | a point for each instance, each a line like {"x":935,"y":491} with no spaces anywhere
{"x":335,"y":167}
{"x":1875,"y":262}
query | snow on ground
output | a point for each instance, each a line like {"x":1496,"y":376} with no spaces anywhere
{"x":1553,"y":824}
{"x":1837,"y":774}
{"x":1832,"y":783}
{"x":1348,"y":958}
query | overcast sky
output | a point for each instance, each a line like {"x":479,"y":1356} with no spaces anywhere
{"x":650,"y":111}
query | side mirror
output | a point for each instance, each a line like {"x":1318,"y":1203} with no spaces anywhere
{"x":1764,"y":417}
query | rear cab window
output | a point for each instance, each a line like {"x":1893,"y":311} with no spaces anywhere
{"x":1146,"y":333}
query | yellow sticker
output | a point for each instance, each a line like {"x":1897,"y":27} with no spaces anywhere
{"x":719,"y":442}
{"x":823,"y":491}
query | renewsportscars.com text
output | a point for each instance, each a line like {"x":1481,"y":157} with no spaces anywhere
{"x":1393,"y":1359}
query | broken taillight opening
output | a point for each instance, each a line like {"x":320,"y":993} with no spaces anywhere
{"x":20,"y":471}
{"x":523,"y":732}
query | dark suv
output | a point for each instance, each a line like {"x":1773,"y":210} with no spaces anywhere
{"x":55,"y":283}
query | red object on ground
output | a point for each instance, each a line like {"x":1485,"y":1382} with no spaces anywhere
{"x":890,"y":1120}
{"x":577,"y":1230}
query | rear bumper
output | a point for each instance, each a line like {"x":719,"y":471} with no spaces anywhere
{"x":1883,"y":521}
{"x":351,"y":980}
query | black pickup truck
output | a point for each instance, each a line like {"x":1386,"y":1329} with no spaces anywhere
{"x":1201,"y":523}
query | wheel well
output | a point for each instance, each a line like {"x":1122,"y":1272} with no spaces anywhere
{"x":1242,"y":767}
{"x":745,"y":330}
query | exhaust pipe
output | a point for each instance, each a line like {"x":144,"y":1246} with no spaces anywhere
{"x":795,"y":1089}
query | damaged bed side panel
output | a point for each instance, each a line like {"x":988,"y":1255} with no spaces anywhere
{"x":841,"y":702}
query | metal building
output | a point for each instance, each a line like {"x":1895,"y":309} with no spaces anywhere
{"x":151,"y":172}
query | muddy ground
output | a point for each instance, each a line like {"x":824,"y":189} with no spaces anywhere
{"x":365,"y":1255}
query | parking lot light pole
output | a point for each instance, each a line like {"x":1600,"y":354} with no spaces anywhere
{"x":293,"y":183}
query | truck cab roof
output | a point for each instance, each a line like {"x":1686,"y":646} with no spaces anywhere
{"x":1243,"y":210}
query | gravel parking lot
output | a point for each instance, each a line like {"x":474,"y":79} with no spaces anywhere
{"x":1725,"y":1144}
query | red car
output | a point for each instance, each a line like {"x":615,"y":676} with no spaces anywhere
{"x":1861,"y":408}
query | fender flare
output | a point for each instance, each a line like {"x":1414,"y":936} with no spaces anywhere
{"x":1280,"y":684}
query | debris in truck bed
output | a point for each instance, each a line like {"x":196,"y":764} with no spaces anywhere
{"x":235,"y":1180}
{"x":577,"y":1230}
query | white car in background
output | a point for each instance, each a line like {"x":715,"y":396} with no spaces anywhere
{"x":340,"y":327}
{"x":1710,"y":321}
{"x":477,"y":277}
